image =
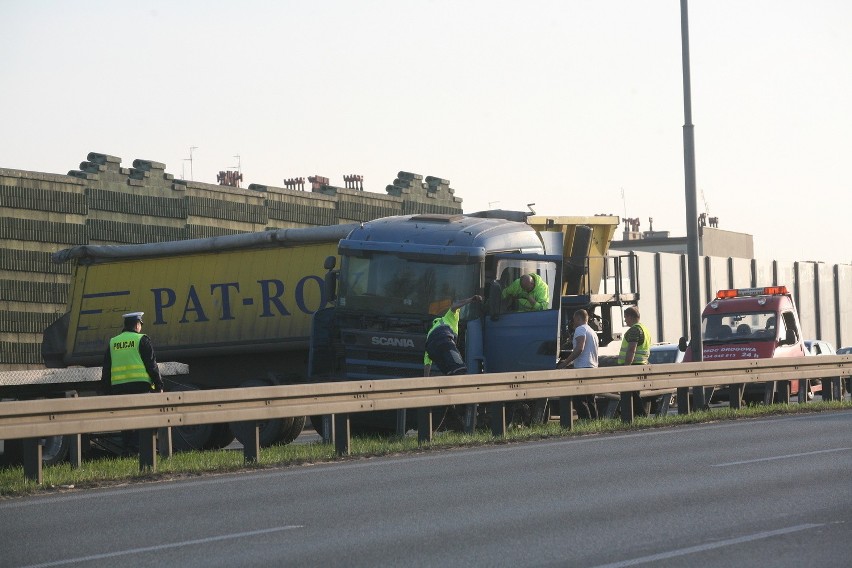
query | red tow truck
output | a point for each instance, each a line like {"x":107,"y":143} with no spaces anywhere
{"x":753,"y":323}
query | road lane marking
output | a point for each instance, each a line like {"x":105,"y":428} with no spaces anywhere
{"x":784,"y":457}
{"x":163,"y":546}
{"x":709,"y":546}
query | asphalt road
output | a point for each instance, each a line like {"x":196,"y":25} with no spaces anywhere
{"x":768,"y":492}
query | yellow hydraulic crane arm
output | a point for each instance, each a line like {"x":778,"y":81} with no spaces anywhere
{"x":592,"y":245}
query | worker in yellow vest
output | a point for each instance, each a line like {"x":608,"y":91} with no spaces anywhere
{"x":635,"y":350}
{"x":130,"y":367}
{"x":442,"y":341}
{"x":530,"y":292}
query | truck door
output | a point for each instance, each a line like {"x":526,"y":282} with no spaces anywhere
{"x":515,"y":340}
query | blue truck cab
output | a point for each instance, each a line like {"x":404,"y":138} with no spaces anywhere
{"x":398,"y":273}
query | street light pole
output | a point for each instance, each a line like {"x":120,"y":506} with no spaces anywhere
{"x":694,"y":285}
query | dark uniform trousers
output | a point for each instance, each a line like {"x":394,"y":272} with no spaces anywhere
{"x":130,"y":438}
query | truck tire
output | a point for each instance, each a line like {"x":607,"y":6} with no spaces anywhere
{"x":55,"y":449}
{"x":188,"y":438}
{"x":221,"y":437}
{"x":295,"y":429}
{"x":273,"y":431}
{"x":316,"y":422}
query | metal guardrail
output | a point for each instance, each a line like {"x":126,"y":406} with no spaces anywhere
{"x":36,"y":419}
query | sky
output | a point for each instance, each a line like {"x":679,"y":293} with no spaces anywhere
{"x":573,"y":105}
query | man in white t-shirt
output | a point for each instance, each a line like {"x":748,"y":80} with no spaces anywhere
{"x":583,"y":356}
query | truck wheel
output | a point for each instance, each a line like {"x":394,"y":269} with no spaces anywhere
{"x":221,"y":437}
{"x":273,"y":431}
{"x":55,"y":449}
{"x":295,"y":429}
{"x":187,"y":438}
{"x":316,"y":422}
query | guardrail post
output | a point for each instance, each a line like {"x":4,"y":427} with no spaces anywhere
{"x":803,"y":391}
{"x":469,"y":418}
{"x":75,"y":446}
{"x":566,"y":412}
{"x":251,"y":447}
{"x":735,"y":395}
{"x":32,"y":459}
{"x":826,"y":393}
{"x":424,"y":425}
{"x":783,"y":389}
{"x":497,"y":417}
{"x":400,"y":422}
{"x":328,"y":428}
{"x":683,"y":400}
{"x":834,"y":389}
{"x":699,"y":402}
{"x":164,"y":442}
{"x":75,"y":450}
{"x":627,"y":407}
{"x":342,"y":442}
{"x":148,"y":449}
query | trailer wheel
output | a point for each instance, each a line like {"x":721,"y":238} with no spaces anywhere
{"x":55,"y":449}
{"x":316,"y":422}
{"x":221,"y":437}
{"x":273,"y":431}
{"x":187,"y":438}
{"x":295,"y":429}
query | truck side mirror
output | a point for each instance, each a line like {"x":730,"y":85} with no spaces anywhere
{"x":682,"y":345}
{"x":330,"y":281}
{"x":495,"y":299}
{"x":330,"y":285}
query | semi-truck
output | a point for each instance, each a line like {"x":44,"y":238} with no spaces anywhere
{"x":238,"y":309}
{"x":398,"y":273}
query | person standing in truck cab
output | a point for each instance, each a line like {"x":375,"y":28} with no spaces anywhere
{"x":442,"y":342}
{"x":130,"y":366}
{"x":530,"y":291}
{"x":635,"y":350}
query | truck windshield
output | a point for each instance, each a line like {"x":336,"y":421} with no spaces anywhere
{"x":389,"y":284}
{"x":748,"y":326}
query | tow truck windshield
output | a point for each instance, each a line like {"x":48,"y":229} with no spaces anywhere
{"x":390,"y":284}
{"x":747,"y":326}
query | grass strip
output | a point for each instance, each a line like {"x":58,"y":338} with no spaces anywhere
{"x":119,"y":471}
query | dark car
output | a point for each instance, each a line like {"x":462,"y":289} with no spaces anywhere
{"x":665,"y":353}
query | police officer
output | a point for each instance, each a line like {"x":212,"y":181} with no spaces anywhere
{"x":130,"y":367}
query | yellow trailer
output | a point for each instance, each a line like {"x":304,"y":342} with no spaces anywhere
{"x":224,"y":296}
{"x":237,"y":309}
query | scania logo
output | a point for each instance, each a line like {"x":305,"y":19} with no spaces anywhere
{"x":392,"y":341}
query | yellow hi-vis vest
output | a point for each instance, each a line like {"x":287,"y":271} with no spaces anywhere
{"x":127,"y":365}
{"x":643,"y":350}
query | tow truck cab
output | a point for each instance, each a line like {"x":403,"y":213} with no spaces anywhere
{"x":751,"y":323}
